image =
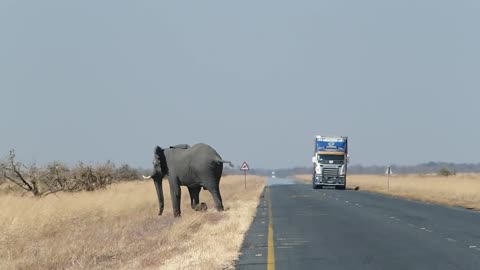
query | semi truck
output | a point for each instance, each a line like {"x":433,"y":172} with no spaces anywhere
{"x":330,"y":161}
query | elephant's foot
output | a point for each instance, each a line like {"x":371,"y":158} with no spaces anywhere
{"x":202,"y":207}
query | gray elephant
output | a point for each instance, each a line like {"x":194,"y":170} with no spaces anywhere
{"x":194,"y":167}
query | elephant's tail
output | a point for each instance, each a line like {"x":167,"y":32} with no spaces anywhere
{"x":226,"y":161}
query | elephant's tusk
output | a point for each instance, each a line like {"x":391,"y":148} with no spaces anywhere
{"x":145,"y":177}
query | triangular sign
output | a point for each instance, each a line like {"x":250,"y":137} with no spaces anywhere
{"x":244,"y":167}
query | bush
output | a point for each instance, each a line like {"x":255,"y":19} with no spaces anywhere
{"x":125,"y":172}
{"x":89,"y":178}
{"x":445,"y":172}
{"x":2,"y":178}
{"x":54,"y":177}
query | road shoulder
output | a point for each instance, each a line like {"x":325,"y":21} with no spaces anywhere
{"x":254,"y":251}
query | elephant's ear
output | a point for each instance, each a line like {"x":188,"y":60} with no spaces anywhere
{"x":158,"y":154}
{"x":161,"y":160}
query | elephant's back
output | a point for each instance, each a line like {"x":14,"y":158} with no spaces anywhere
{"x":206,"y":162}
{"x":204,"y":152}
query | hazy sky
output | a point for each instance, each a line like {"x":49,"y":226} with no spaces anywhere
{"x":98,"y":80}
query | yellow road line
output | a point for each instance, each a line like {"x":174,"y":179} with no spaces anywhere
{"x":271,"y":247}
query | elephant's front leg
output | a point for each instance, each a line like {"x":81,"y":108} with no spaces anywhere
{"x":175,"y":193}
{"x":158,"y":186}
{"x":194,"y":196}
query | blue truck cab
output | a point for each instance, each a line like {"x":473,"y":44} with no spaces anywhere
{"x":330,"y":162}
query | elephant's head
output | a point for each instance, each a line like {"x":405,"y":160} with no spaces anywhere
{"x":160,"y":170}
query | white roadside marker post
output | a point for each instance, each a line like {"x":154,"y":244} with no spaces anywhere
{"x":388,"y":172}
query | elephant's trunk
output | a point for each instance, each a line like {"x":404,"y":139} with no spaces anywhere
{"x":158,"y":186}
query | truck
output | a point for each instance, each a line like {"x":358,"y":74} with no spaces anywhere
{"x":330,"y":161}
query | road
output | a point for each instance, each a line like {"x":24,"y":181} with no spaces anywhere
{"x":297,"y":227}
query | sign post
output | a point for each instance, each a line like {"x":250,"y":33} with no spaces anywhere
{"x":245,"y":168}
{"x":388,"y":172}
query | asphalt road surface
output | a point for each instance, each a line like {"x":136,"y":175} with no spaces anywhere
{"x":297,"y":227}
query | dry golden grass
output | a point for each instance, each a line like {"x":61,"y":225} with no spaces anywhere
{"x":119,"y":228}
{"x":459,"y":190}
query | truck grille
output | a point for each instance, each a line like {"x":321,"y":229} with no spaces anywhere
{"x":330,"y":172}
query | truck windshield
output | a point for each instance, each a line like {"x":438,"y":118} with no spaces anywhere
{"x":337,"y":159}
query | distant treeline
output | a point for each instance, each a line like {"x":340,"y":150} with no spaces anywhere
{"x":424,"y":168}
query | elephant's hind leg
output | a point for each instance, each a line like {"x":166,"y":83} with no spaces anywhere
{"x":194,"y":196}
{"x":217,"y":198}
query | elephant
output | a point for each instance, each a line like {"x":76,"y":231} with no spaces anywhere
{"x":196,"y":167}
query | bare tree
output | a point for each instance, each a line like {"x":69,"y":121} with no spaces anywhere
{"x":39,"y":182}
{"x":20,"y":175}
